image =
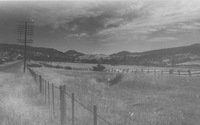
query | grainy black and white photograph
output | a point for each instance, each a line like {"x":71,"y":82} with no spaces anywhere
{"x":100,"y":62}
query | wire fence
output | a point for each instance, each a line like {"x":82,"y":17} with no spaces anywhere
{"x":65,"y":107}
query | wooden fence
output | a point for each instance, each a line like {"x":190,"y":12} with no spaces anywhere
{"x":188,"y":72}
{"x":177,"y":72}
{"x":48,"y":90}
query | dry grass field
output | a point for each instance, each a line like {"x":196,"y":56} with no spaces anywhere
{"x":131,"y":67}
{"x":132,"y":99}
{"x":20,"y":100}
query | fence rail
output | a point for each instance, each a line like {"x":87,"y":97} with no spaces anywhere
{"x":48,"y":90}
{"x":188,"y":72}
{"x":178,"y":72}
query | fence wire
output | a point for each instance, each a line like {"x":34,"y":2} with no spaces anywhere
{"x":45,"y":91}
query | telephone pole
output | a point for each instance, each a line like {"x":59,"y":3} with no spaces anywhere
{"x":25,"y":31}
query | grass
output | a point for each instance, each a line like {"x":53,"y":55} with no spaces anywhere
{"x":140,"y":99}
{"x":20,"y":101}
{"x":131,"y":67}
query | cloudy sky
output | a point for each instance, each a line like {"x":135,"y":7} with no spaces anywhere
{"x":104,"y":26}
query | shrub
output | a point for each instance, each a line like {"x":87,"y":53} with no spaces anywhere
{"x":68,"y":68}
{"x":99,"y":67}
{"x":171,"y":71}
{"x":116,"y":79}
{"x":49,"y":66}
{"x":58,"y":67}
{"x":1,"y":61}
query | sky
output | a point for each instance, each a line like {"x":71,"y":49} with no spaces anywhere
{"x":104,"y":27}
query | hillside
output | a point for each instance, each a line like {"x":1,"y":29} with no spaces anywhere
{"x":13,"y":51}
{"x":161,"y":57}
{"x":92,"y":58}
{"x":73,"y":53}
{"x":123,"y":53}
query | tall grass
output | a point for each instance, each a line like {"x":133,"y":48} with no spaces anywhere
{"x":132,"y":99}
{"x":118,"y":78}
{"x":21,"y":103}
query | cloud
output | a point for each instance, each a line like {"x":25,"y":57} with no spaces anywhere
{"x":161,"y":39}
{"x":153,"y":15}
{"x":107,"y":22}
{"x":82,"y":35}
{"x":184,"y":27}
{"x":91,"y":17}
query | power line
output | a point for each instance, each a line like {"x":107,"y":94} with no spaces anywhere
{"x":24,"y":30}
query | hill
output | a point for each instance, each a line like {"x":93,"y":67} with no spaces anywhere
{"x":14,"y":51}
{"x":122,"y":53}
{"x":73,"y":53}
{"x":162,"y":57}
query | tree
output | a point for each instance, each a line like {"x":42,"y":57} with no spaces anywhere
{"x":99,"y":67}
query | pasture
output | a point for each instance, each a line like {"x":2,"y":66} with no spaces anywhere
{"x":130,"y":67}
{"x":133,"y":99}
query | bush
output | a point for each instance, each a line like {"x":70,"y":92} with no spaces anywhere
{"x":99,"y":67}
{"x":1,"y":61}
{"x":49,"y":66}
{"x":171,"y":71}
{"x":68,"y":68}
{"x":116,"y":79}
{"x":58,"y":67}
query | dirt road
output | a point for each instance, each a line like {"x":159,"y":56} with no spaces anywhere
{"x":20,"y":101}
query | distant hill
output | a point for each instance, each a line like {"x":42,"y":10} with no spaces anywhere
{"x":162,"y":57}
{"x":73,"y":53}
{"x":192,"y":49}
{"x":10,"y":51}
{"x":123,"y":53}
{"x":94,"y":57}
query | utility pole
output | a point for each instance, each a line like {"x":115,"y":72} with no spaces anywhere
{"x":25,"y":29}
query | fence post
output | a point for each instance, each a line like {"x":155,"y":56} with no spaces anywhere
{"x":38,"y":78}
{"x":45,"y":91}
{"x":53,"y":100}
{"x":135,"y":71}
{"x":72,"y":108}
{"x":189,"y":72}
{"x":48,"y":94}
{"x":34,"y":76}
{"x":62,"y":105}
{"x":43,"y":87}
{"x":95,"y":115}
{"x":171,"y":71}
{"x":40,"y":84}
